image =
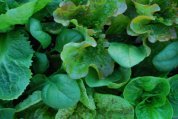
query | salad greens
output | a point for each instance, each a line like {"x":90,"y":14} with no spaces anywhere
{"x":88,"y":59}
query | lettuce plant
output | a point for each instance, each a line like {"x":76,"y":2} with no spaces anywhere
{"x":88,"y":59}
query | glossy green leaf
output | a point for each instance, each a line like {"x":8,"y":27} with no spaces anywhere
{"x":167,"y":59}
{"x":21,"y":14}
{"x":37,"y":32}
{"x":173,"y":95}
{"x":113,"y":107}
{"x":15,"y":60}
{"x":67,"y":36}
{"x":61,"y":92}
{"x":29,"y":101}
{"x":127,"y":55}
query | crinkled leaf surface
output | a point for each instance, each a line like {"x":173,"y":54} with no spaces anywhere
{"x":15,"y":60}
{"x":88,"y":14}
{"x":84,"y":56}
{"x":127,"y":55}
{"x":61,"y":92}
{"x":147,"y":112}
{"x":113,"y":107}
{"x":143,"y":88}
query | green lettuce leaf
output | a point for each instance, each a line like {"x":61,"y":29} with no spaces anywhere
{"x":127,"y":55}
{"x":15,"y":60}
{"x":88,"y":14}
{"x":167,"y":59}
{"x":60,"y":92}
{"x":113,"y":107}
{"x":83,"y":56}
{"x":21,"y":14}
{"x":173,"y":95}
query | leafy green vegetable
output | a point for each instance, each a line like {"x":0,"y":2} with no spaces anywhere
{"x":85,"y":56}
{"x":88,"y":59}
{"x":167,"y":59}
{"x":38,"y":33}
{"x":64,"y":89}
{"x":21,"y":14}
{"x":148,"y":95}
{"x":15,"y":60}
{"x":126,"y":55}
{"x":110,"y":106}
{"x":173,"y":94}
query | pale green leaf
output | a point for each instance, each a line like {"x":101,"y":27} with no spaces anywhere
{"x":127,"y":55}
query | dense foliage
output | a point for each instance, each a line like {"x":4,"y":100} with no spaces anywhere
{"x":88,"y":59}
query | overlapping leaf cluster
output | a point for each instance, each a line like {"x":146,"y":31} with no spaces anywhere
{"x":88,"y":59}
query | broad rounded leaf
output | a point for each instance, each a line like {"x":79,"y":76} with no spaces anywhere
{"x":167,"y":59}
{"x":15,"y":60}
{"x":78,"y":57}
{"x":147,"y":88}
{"x":61,"y":92}
{"x":113,"y":107}
{"x":127,"y":55}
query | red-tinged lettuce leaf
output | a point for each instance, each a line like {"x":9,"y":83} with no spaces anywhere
{"x":94,"y":14}
{"x":15,"y":60}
